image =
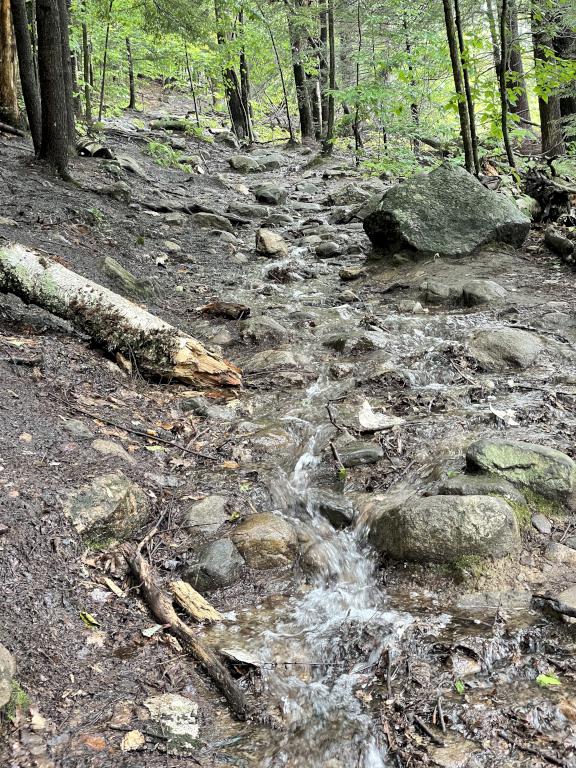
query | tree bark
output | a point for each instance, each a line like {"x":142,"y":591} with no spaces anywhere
{"x":105,"y":61}
{"x":238,"y":116}
{"x":54,"y":145}
{"x":549,"y":106}
{"x":86,"y":70}
{"x":115,"y":323}
{"x":9,"y":112}
{"x":464,"y":117}
{"x":329,"y":140}
{"x":565,"y":48}
{"x":67,"y":71}
{"x":504,"y":39}
{"x":281,"y":73}
{"x":467,"y":88}
{"x":131,"y":86}
{"x":516,"y":80}
{"x":192,"y":88}
{"x":323,"y":63}
{"x":302,"y":96}
{"x":27,"y":71}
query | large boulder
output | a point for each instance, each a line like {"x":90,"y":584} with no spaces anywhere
{"x":244,"y":164}
{"x":110,"y":506}
{"x":448,"y":212}
{"x":545,"y":471}
{"x":505,"y":347}
{"x":266,"y":541}
{"x":7,"y":671}
{"x":443,"y":528}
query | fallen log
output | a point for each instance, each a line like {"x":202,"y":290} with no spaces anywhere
{"x":5,"y":128}
{"x":163,"y":611}
{"x":113,"y":322}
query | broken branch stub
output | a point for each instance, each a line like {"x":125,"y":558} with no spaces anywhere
{"x":112,"y":321}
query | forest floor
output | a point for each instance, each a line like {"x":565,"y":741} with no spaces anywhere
{"x":86,"y":684}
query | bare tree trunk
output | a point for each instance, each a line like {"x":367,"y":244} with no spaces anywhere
{"x":132,"y":87}
{"x":238,"y":115}
{"x":302,"y":96}
{"x":9,"y":112}
{"x":27,"y":71}
{"x":192,"y":88}
{"x":315,"y":104}
{"x":452,"y":37}
{"x":328,"y":145}
{"x":494,"y":37}
{"x":105,"y":61}
{"x":549,"y":108}
{"x":414,"y":110}
{"x":516,"y":80}
{"x":565,"y":48}
{"x":281,"y":73}
{"x":359,"y":144}
{"x":77,"y":98}
{"x":54,"y":145}
{"x":86,"y":68}
{"x":67,"y":71}
{"x":467,"y":89}
{"x":504,"y":36}
{"x":323,"y":63}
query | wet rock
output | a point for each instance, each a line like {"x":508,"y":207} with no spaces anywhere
{"x":300,"y":205}
{"x":7,"y":672}
{"x":560,"y":554}
{"x":335,"y":507}
{"x":207,"y":515}
{"x":443,"y":528}
{"x":249,"y":210}
{"x":352,"y":273}
{"x":361,"y":417}
{"x":478,"y":292}
{"x":175,"y":219}
{"x":76,"y":428}
{"x":545,"y":471}
{"x":109,"y":506}
{"x":244,"y":164}
{"x":357,"y":452}
{"x":542,"y":524}
{"x":203,"y":407}
{"x":262,"y":329}
{"x":125,"y":280}
{"x":556,"y":241}
{"x":211,"y":221}
{"x":282,"y":364}
{"x":356,"y":341}
{"x":266,"y":541}
{"x":495,"y":601}
{"x":440,"y":292}
{"x":270,"y":243}
{"x":456,"y":754}
{"x":566,"y":601}
{"x":171,"y":247}
{"x":481,"y":485}
{"x":175,"y":718}
{"x":219,"y":565}
{"x":269,"y":161}
{"x":326,"y":249}
{"x":446,"y":212}
{"x":278,"y":220}
{"x":464,"y":666}
{"x":270,"y":193}
{"x":110,"y":448}
{"x":505,"y":347}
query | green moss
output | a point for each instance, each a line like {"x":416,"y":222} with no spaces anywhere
{"x":19,"y":699}
{"x":521,"y":512}
{"x":100,"y":542}
{"x":538,"y":503}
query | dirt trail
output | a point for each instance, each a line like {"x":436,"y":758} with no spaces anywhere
{"x":374,"y":337}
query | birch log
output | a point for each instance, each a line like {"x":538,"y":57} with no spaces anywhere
{"x":115,"y":323}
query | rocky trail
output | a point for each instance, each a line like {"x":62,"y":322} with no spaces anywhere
{"x":381,"y":517}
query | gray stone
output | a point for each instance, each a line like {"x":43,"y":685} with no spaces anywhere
{"x":269,"y":161}
{"x":227,"y":138}
{"x":327,"y":249}
{"x":304,"y":207}
{"x":566,"y":601}
{"x":76,"y":428}
{"x":270,"y":193}
{"x":118,"y":191}
{"x":262,"y":329}
{"x":556,"y":241}
{"x":125,"y":280}
{"x":357,"y":452}
{"x":207,"y":515}
{"x":266,"y":541}
{"x":542,"y":524}
{"x":356,"y":341}
{"x":211,"y":221}
{"x":244,"y":164}
{"x":478,"y":292}
{"x":7,"y":672}
{"x":560,"y":554}
{"x":175,"y":219}
{"x":175,"y":719}
{"x":219,"y":565}
{"x":335,"y":507}
{"x":171,"y":247}
{"x":446,"y":212}
{"x":248,"y":210}
{"x":350,"y":194}
{"x":502,"y":348}
{"x":444,"y":528}
{"x":352,"y":273}
{"x":277,"y":358}
{"x":481,"y":485}
{"x":545,"y":471}
{"x":494,"y":601}
{"x":270,"y":243}
{"x":203,"y":407}
{"x":109,"y":506}
{"x":110,"y":448}
{"x":440,"y":292}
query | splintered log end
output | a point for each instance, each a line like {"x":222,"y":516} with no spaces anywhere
{"x":193,"y":602}
{"x":194,"y":364}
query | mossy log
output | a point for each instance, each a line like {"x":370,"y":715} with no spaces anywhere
{"x":113,"y":322}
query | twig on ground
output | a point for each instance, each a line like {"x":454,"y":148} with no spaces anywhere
{"x":532,"y":750}
{"x":431,"y":735}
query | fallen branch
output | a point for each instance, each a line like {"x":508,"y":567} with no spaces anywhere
{"x":193,"y":603}
{"x":5,"y":128}
{"x":532,"y":750}
{"x":163,"y":611}
{"x":112,"y":321}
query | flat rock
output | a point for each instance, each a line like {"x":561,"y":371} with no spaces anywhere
{"x":481,"y":485}
{"x":109,"y":506}
{"x":270,"y":193}
{"x":266,"y":541}
{"x":494,"y":601}
{"x":249,"y":210}
{"x":560,"y":554}
{"x":211,"y":221}
{"x":125,"y":280}
{"x":244,"y":164}
{"x":219,"y":565}
{"x":227,"y":138}
{"x":270,"y":243}
{"x":262,"y":329}
{"x":541,"y":523}
{"x":327,"y":248}
{"x":335,"y":507}
{"x":207,"y":515}
{"x":444,"y":528}
{"x":446,"y":212}
{"x":110,"y":448}
{"x":269,"y":161}
{"x":504,"y":348}
{"x":440,"y":292}
{"x":176,"y":720}
{"x":478,"y":292}
{"x":566,"y":599}
{"x":357,"y":452}
{"x":545,"y":471}
{"x":352,"y":273}
{"x":7,"y":672}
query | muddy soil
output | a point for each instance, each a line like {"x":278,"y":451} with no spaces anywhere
{"x":416,"y":673}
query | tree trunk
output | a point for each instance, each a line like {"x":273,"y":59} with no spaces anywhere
{"x":77,"y":98}
{"x":67,"y":77}
{"x":452,"y":37}
{"x":27,"y":71}
{"x":238,"y":116}
{"x":414,"y":110}
{"x":54,"y":145}
{"x":9,"y":112}
{"x":192,"y":88}
{"x":565,"y":48}
{"x":549,"y":107}
{"x":467,"y":89}
{"x":86,"y":69}
{"x":315,"y":104}
{"x":105,"y":62}
{"x":516,"y":80}
{"x":494,"y":37}
{"x":504,"y":38}
{"x":329,"y":140}
{"x":302,"y":95}
{"x":132,"y":87}
{"x":281,"y":73}
{"x":118,"y":325}
{"x":323,"y":63}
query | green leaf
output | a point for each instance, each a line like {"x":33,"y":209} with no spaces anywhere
{"x":88,"y":619}
{"x":548,"y":681}
{"x":459,"y":685}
